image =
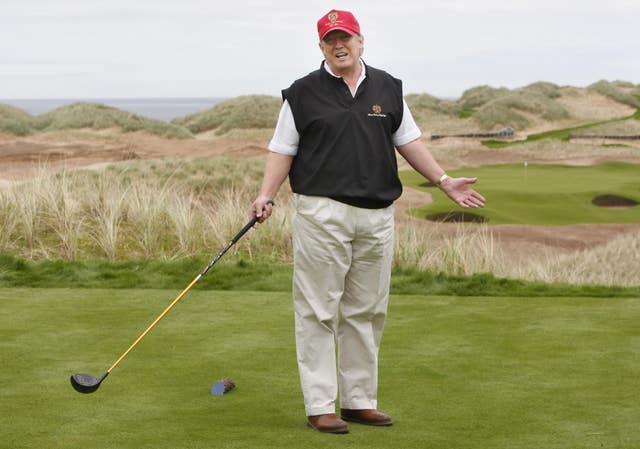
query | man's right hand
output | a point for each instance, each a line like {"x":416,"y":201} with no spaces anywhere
{"x":262,"y":208}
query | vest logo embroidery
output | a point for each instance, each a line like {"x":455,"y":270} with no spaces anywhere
{"x":377,"y":111}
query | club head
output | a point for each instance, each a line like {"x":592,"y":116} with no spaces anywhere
{"x":86,"y":383}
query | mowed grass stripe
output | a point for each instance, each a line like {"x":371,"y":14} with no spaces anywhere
{"x":454,"y":372}
{"x":543,"y":194}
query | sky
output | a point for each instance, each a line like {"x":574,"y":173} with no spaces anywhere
{"x":212,"y":48}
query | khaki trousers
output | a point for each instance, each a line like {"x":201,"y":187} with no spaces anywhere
{"x":342,"y":271}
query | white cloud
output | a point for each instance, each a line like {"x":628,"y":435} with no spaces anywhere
{"x":124,"y":48}
{"x":48,"y":69}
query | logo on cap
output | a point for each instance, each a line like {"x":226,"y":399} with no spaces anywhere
{"x":337,"y":20}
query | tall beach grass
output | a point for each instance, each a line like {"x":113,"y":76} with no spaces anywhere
{"x":616,"y":263}
{"x":131,"y":210}
{"x":171,"y":209}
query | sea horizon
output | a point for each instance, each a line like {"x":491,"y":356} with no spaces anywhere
{"x":160,"y":108}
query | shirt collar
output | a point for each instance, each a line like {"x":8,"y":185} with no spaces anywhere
{"x":363,"y":72}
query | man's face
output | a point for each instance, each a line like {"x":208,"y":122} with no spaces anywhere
{"x":342,"y":50}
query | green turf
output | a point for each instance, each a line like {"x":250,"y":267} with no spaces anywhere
{"x":238,"y":275}
{"x":466,"y":373}
{"x":543,"y":194}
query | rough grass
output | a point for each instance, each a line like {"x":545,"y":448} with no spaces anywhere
{"x":15,"y":121}
{"x":455,"y":373}
{"x":98,"y":116}
{"x":478,"y":96}
{"x":421,"y":103}
{"x":623,"y":84}
{"x":159,"y":209}
{"x":496,"y":115}
{"x":171,"y":210}
{"x":615,"y":263}
{"x":435,"y":115}
{"x":245,"y":112}
{"x":507,"y":110}
{"x":546,"y":89}
{"x":613,"y":91}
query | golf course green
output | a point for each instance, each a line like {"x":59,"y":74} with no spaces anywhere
{"x":472,"y":372}
{"x":540,"y":194}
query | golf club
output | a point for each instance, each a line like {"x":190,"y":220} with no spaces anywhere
{"x":86,"y":383}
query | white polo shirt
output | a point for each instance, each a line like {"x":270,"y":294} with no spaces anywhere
{"x":286,"y":137}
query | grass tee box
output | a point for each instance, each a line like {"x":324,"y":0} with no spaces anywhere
{"x":455,"y":373}
{"x":543,"y":194}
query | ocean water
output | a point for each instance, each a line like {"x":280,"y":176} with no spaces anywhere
{"x":158,"y":108}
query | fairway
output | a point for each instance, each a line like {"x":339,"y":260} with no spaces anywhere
{"x":542,"y":194}
{"x":454,"y":372}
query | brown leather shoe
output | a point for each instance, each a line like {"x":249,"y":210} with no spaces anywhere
{"x":369,"y":417}
{"x":328,"y":423}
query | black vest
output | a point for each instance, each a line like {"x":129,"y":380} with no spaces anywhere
{"x":346,"y":150}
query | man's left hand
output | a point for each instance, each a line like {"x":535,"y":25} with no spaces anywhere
{"x":459,"y":191}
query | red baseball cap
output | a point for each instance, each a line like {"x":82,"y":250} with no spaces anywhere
{"x":338,"y":20}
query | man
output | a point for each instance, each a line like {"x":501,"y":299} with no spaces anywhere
{"x":335,"y":139}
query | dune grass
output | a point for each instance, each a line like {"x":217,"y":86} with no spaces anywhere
{"x":615,"y":263}
{"x":15,"y":121}
{"x":136,"y":209}
{"x":491,"y":108}
{"x":544,"y":194}
{"x":478,"y":96}
{"x":454,"y":372}
{"x":613,"y":90}
{"x":543,"y":88}
{"x":421,"y":104}
{"x":508,"y":109}
{"x":98,"y":116}
{"x":141,"y":211}
{"x":84,"y":115}
{"x":488,"y":107}
{"x":244,"y":112}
